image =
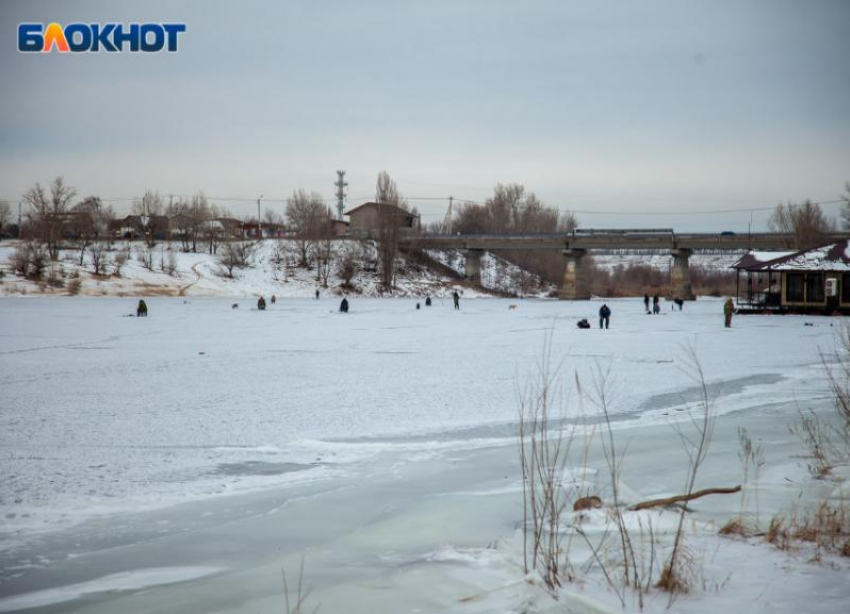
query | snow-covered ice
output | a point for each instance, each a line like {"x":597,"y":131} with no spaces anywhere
{"x":379,"y":444}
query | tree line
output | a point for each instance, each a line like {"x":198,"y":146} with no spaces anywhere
{"x":54,"y":214}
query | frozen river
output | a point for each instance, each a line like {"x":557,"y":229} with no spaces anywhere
{"x":210,"y":442}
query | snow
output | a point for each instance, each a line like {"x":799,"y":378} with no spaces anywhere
{"x":380,"y":443}
{"x":273,"y":270}
{"x":715,"y":261}
{"x":814,"y":260}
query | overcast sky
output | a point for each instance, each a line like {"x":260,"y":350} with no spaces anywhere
{"x":638,"y":107}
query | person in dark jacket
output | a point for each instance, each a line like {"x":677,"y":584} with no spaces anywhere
{"x":343,"y":306}
{"x":427,"y":301}
{"x":261,"y":304}
{"x":646,"y":302}
{"x":142,"y":309}
{"x":456,"y":298}
{"x":656,"y":305}
{"x":317,"y":294}
{"x":604,"y":316}
{"x":679,"y":303}
{"x":274,"y":299}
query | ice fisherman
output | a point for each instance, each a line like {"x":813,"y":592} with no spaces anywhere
{"x":728,"y":310}
{"x":142,"y":309}
{"x":646,"y":302}
{"x":656,"y":305}
{"x":317,"y":294}
{"x":427,"y":301}
{"x":604,"y":316}
{"x":274,"y":299}
{"x":261,"y":304}
{"x":343,"y":306}
{"x":456,"y":298}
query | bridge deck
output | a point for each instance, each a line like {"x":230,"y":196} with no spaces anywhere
{"x":600,"y":240}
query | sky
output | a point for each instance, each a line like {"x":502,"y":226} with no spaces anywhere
{"x":697,"y":116}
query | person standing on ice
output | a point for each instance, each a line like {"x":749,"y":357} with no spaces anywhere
{"x":317,"y":294}
{"x":656,"y":305}
{"x":646,"y":302}
{"x":142,"y":309}
{"x":343,"y":306}
{"x":261,"y":304}
{"x":604,"y":316}
{"x":728,"y":310}
{"x":456,"y":298}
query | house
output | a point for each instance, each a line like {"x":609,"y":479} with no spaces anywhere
{"x":813,"y":280}
{"x":250,"y":230}
{"x":134,"y":226}
{"x":366,"y":219}
{"x":341,"y":228}
{"x":225,"y":227}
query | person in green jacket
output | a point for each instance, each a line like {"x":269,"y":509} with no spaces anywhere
{"x":728,"y":310}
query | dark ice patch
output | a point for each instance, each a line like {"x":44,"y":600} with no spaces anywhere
{"x":259,"y":468}
{"x":716,"y":390}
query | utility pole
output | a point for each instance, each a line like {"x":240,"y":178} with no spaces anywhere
{"x":19,"y":220}
{"x":340,"y":184}
{"x":259,"y":222}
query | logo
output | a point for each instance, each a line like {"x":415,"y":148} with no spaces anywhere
{"x":111,"y":37}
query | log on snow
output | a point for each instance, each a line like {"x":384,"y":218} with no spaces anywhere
{"x":694,"y":495}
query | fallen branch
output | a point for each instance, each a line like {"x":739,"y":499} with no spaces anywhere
{"x":696,"y":495}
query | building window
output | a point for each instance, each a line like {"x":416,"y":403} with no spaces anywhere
{"x":794,"y":287}
{"x":845,"y":288}
{"x":814,"y":288}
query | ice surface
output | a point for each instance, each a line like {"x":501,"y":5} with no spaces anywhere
{"x":104,"y":411}
{"x":126,"y":581}
{"x":381,"y":443}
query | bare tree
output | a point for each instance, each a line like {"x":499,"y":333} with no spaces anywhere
{"x":235,"y":255}
{"x":30,"y":260}
{"x":149,"y":208}
{"x":806,"y":223}
{"x":391,"y":209}
{"x":199,"y":212}
{"x":213,"y":230}
{"x":511,"y":209}
{"x":89,"y":222}
{"x":346,"y":266}
{"x":49,"y":211}
{"x":99,"y":257}
{"x":305,"y":212}
{"x":180,"y":219}
{"x":272,"y":221}
{"x":120,"y":259}
{"x":323,"y":250}
{"x":845,"y":207}
{"x":5,"y":216}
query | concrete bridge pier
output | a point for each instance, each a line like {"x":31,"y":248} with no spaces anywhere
{"x":472,"y":268}
{"x":576,"y":285}
{"x":680,"y":276}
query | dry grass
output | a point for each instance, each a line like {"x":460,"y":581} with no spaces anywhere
{"x":736,"y":526}
{"x":827,"y":527}
{"x":73,"y":286}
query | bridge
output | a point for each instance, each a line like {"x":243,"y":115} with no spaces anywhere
{"x":575,"y":245}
